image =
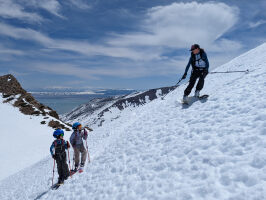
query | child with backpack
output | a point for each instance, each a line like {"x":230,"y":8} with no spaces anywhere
{"x":76,"y":140}
{"x":58,"y":153}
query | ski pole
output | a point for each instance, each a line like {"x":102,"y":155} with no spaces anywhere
{"x":88,"y":151}
{"x":69,"y":162}
{"x":229,"y":72}
{"x":53,"y":174}
{"x":176,"y":85}
{"x":73,"y":161}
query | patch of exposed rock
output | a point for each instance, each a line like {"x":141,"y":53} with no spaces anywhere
{"x":13,"y":93}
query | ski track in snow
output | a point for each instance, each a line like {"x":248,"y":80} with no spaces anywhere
{"x":213,"y":149}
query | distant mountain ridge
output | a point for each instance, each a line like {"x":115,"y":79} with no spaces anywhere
{"x":93,"y":112}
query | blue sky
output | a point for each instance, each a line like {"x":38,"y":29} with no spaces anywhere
{"x":136,"y":44}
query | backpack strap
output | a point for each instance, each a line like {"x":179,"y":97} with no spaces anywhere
{"x":194,"y":58}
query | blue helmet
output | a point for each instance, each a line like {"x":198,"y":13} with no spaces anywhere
{"x":75,"y":125}
{"x":58,"y":132}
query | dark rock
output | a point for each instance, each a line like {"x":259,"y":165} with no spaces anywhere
{"x":53,"y":114}
{"x":9,"y":99}
{"x":54,"y":124}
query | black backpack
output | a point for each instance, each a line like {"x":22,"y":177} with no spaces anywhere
{"x":59,"y":149}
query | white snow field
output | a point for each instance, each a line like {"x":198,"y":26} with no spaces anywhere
{"x":23,"y":140}
{"x":213,"y":149}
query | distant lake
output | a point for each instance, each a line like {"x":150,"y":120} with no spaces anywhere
{"x":63,"y":103}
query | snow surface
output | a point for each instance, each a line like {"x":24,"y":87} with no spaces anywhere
{"x":24,"y":141}
{"x":213,"y":149}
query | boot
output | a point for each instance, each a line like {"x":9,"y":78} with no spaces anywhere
{"x":60,"y":181}
{"x":197,"y":93}
{"x":76,"y":169}
{"x":185,"y":99}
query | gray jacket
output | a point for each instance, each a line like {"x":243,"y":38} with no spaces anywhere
{"x":77,"y":136}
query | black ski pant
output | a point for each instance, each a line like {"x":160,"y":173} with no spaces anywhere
{"x":62,"y":167}
{"x":196,"y":74}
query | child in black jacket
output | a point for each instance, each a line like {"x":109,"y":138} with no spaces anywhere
{"x":58,"y":153}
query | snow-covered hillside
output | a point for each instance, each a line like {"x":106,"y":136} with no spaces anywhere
{"x":23,"y":140}
{"x":25,"y":127}
{"x":213,"y":149}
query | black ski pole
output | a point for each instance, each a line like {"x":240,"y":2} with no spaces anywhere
{"x":69,"y":162}
{"x":176,"y":85}
{"x":53,"y":174}
{"x":73,"y":161}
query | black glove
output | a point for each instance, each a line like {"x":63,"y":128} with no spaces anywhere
{"x":184,"y":76}
{"x":206,"y":72}
{"x":53,"y":156}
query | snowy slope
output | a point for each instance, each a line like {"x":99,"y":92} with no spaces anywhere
{"x":24,"y":141}
{"x":214,"y":149}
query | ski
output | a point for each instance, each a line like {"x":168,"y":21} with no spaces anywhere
{"x":184,"y":102}
{"x":72,"y":172}
{"x":56,"y":186}
{"x":192,"y":99}
{"x":80,"y":170}
{"x":205,"y":96}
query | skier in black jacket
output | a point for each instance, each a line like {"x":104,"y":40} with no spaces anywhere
{"x":58,"y":153}
{"x":200,"y":67}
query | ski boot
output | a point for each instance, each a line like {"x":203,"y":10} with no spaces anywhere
{"x":197,"y":94}
{"x":185,"y":99}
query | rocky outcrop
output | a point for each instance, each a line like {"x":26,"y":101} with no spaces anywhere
{"x":13,"y":93}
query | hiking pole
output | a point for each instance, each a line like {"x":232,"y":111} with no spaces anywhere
{"x":89,"y":160}
{"x":89,"y":129}
{"x":246,"y":71}
{"x":176,"y":85}
{"x":73,"y":161}
{"x":53,"y":174}
{"x":69,"y":162}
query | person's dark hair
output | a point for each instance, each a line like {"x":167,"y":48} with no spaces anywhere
{"x":194,"y":46}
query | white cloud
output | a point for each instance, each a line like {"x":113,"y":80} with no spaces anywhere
{"x":10,"y":9}
{"x":88,"y":49}
{"x":88,"y":73}
{"x":51,"y":6}
{"x":25,"y":34}
{"x":84,"y":48}
{"x":256,"y":24}
{"x":80,"y":4}
{"x":181,"y":24}
{"x":8,"y":51}
{"x":224,"y":45}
